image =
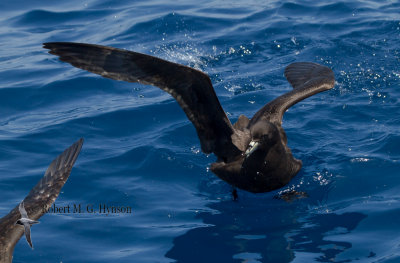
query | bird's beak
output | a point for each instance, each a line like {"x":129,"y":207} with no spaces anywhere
{"x":252,"y":147}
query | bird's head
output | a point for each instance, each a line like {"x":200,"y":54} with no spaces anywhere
{"x":264,"y":135}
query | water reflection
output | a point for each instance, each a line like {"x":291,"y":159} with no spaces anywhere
{"x":270,"y":231}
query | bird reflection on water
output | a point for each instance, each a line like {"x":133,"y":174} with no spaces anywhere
{"x":254,"y":235}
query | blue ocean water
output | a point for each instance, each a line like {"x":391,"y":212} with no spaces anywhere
{"x":141,"y":151}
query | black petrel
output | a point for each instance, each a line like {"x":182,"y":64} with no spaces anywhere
{"x":252,"y":153}
{"x":35,"y":204}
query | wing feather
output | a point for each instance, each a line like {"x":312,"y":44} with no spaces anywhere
{"x":307,"y":79}
{"x":191,"y":88}
{"x":41,"y":196}
{"x":22,"y":210}
{"x":27,"y":230}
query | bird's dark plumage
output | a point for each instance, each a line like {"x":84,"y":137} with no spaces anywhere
{"x":252,"y":154}
{"x":39,"y":199}
{"x":191,"y":88}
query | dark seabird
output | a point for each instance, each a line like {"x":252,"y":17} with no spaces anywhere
{"x":35,"y":204}
{"x":252,"y":153}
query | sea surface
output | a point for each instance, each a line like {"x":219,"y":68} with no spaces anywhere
{"x":142,"y":152}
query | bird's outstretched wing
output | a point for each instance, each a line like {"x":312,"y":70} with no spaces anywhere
{"x":191,"y":88}
{"x":27,"y":230}
{"x":22,"y":210}
{"x":307,"y":79}
{"x":39,"y":199}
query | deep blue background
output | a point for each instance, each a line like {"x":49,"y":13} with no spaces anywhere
{"x":140,"y":150}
